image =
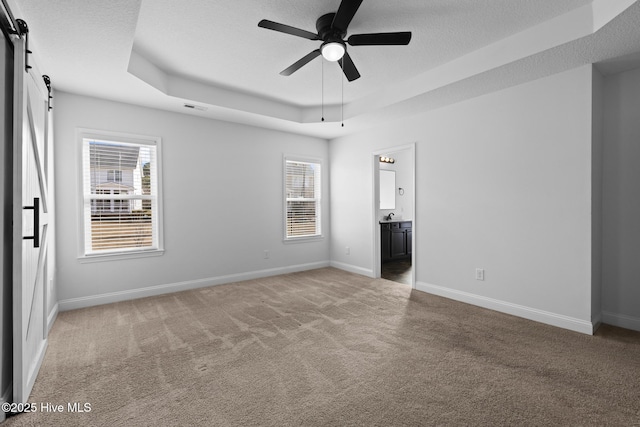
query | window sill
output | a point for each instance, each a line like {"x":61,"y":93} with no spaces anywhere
{"x":116,"y":256}
{"x":302,"y":239}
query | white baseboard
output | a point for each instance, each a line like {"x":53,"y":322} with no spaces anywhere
{"x":52,"y":317}
{"x":621,"y":320}
{"x":352,"y":268}
{"x":89,"y":301}
{"x":541,"y":316}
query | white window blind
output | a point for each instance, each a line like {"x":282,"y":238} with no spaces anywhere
{"x":303,"y":196}
{"x":120,"y":196}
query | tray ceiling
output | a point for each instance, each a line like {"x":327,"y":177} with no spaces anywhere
{"x":165,"y":53}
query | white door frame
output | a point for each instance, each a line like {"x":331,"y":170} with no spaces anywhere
{"x":375,"y":159}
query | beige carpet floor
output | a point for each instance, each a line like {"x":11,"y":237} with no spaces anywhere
{"x":329,"y":348}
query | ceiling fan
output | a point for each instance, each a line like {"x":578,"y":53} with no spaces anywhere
{"x":332,"y":28}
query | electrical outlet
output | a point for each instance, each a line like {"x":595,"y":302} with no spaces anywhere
{"x":479,"y":273}
{"x":347,"y":250}
{"x":266,"y":254}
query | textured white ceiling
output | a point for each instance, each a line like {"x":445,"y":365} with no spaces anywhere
{"x":220,"y":43}
{"x":163,"y":53}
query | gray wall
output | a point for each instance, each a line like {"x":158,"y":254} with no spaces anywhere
{"x":223,"y":203}
{"x":503,"y":182}
{"x":524,"y":183}
{"x":597,"y":131}
{"x":621,"y":201}
{"x":403,"y":167}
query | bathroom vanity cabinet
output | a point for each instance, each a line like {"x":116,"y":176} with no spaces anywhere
{"x":395,"y":239}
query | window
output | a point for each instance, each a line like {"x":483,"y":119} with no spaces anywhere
{"x":114,"y":175}
{"x":302,"y":199}
{"x":120,"y":194}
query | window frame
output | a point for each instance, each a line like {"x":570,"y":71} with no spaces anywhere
{"x":117,"y":137}
{"x":319,"y":200}
{"x":117,"y":175}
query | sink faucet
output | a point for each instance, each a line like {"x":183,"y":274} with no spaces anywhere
{"x":389,"y":216}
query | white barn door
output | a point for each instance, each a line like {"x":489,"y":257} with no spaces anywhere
{"x":30,"y":223}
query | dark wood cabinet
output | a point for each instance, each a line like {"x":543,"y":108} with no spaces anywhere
{"x":398,"y":242}
{"x":395,"y":240}
{"x":385,"y":241}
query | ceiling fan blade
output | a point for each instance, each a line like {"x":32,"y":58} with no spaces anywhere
{"x":287,"y":29}
{"x":349,"y":68}
{"x":375,"y":39}
{"x":300,"y":63}
{"x":345,"y":13}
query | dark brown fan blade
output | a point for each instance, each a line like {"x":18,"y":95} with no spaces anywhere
{"x":300,"y":63}
{"x":349,"y":68}
{"x":374,"y":39}
{"x":345,"y":13}
{"x":287,"y":29}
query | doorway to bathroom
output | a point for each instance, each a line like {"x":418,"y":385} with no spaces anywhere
{"x":394,"y":214}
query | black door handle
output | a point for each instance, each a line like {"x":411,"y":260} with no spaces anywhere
{"x":36,"y":222}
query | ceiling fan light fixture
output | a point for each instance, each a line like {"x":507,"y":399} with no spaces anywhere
{"x":332,"y":51}
{"x":332,"y":28}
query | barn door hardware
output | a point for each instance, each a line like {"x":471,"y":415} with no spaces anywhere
{"x":23,"y":30}
{"x":36,"y":222}
{"x":47,"y":82}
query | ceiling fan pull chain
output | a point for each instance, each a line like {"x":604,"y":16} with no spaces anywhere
{"x":322,"y":62}
{"x":342,"y":83}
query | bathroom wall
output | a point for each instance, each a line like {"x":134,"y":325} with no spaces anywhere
{"x":403,"y":168}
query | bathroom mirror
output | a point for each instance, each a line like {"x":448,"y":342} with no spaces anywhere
{"x":387,"y":189}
